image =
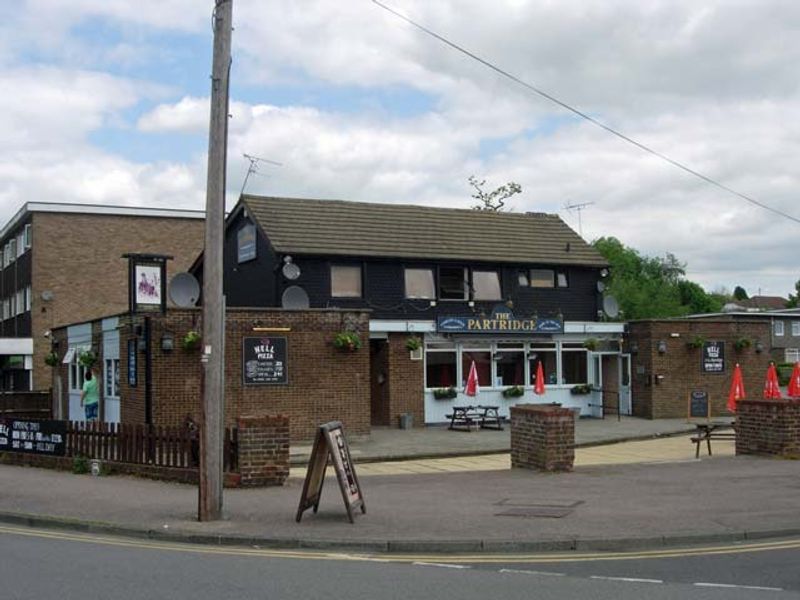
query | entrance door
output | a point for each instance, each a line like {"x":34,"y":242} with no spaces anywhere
{"x":611,"y":381}
{"x":625,"y":384}
{"x":379,"y":384}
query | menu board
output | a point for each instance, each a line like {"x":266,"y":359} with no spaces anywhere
{"x":713,"y":357}
{"x":33,"y":436}
{"x":264,"y":361}
{"x":699,"y":405}
{"x":331,"y":446}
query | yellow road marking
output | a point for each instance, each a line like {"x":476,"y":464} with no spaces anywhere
{"x":401,"y":558}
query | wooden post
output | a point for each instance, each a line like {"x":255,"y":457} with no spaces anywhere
{"x":210,"y":491}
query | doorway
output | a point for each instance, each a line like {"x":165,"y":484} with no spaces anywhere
{"x":378,"y":382}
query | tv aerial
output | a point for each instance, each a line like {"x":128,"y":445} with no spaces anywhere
{"x":253,"y":168}
{"x":578,"y":208}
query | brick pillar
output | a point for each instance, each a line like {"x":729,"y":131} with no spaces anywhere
{"x":542,"y":437}
{"x":768,"y":427}
{"x":263,"y":450}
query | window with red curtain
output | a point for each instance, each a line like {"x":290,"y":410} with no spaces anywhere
{"x":440,"y":369}
{"x":511,"y":368}
{"x":483,"y":365}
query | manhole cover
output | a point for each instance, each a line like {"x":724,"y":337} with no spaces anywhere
{"x":550,"y":512}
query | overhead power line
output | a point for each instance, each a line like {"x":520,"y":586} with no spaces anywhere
{"x":583,"y":115}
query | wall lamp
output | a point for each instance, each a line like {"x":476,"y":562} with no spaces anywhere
{"x":167,"y":342}
{"x":662,"y":347}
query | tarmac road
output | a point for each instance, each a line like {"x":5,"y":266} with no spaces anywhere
{"x":46,"y":564}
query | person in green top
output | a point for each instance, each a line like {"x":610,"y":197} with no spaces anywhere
{"x":90,"y":396}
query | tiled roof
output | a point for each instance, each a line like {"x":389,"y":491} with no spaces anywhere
{"x":360,"y":229}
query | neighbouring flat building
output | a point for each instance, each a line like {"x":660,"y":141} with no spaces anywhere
{"x":62,"y":263}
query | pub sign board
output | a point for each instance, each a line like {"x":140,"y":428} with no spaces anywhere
{"x":264,"y":360}
{"x":33,"y":436}
{"x":502,"y":320}
{"x":713,"y":357}
{"x":699,"y":406}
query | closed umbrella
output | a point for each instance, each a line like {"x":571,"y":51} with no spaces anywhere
{"x":538,"y":387}
{"x":472,"y":388}
{"x":771,"y":387}
{"x":737,"y":388}
{"x":794,"y":382}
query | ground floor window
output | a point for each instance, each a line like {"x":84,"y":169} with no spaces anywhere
{"x":792,"y":355}
{"x":503,"y":364}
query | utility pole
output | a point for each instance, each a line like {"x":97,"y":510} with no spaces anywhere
{"x":210,"y":491}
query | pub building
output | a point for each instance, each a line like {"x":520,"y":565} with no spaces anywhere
{"x":442,"y":288}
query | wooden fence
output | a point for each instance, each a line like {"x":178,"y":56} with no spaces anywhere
{"x":25,"y":405}
{"x":160,"y":446}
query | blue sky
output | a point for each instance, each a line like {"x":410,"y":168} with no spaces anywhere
{"x":111,"y":106}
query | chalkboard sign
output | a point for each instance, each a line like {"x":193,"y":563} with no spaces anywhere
{"x":33,"y":436}
{"x":699,"y":406}
{"x":331,"y":446}
{"x":713,"y":357}
{"x":264,"y":361}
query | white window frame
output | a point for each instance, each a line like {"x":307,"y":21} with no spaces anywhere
{"x":77,"y":373}
{"x":21,"y":244}
{"x":791,"y":355}
{"x":464,"y":278}
{"x":20,"y":302}
{"x":28,"y":299}
{"x":778,"y":328}
{"x":111,"y":391}
{"x":419,"y":270}
{"x":27,"y":233}
{"x":795,"y":328}
{"x":494,"y":272}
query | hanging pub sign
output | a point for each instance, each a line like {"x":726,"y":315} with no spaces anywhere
{"x":264,"y":361}
{"x":147,"y":283}
{"x":33,"y":436}
{"x":502,"y":320}
{"x":246,"y":243}
{"x":330,"y":446}
{"x":713,"y":357}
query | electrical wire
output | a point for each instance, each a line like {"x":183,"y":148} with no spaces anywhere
{"x":583,"y":115}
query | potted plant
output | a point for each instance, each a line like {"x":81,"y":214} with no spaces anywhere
{"x":413,"y":343}
{"x":447,"y":393}
{"x":191,"y":341}
{"x":591,"y":344}
{"x":515,"y":391}
{"x":581,"y":389}
{"x":742,"y":343}
{"x":87,"y":358}
{"x":347,"y":340}
{"x":696,"y":342}
{"x":51,"y":359}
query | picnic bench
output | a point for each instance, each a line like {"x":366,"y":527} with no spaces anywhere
{"x":469,"y":418}
{"x":706,"y":432}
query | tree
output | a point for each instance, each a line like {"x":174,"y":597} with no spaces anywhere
{"x":739,"y":293}
{"x":492,"y":200}
{"x":794,"y":299}
{"x":651,"y":287}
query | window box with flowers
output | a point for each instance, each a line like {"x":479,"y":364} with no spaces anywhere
{"x":581,"y":389}
{"x":347,"y":341}
{"x":515,"y":391}
{"x":447,"y":393}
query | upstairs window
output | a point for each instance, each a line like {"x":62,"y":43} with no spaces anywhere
{"x":452,"y":283}
{"x":796,"y":328}
{"x":419,"y":284}
{"x":27,"y":236}
{"x":561,"y":279}
{"x":542,"y":278}
{"x":486,"y":285}
{"x":778,"y":328}
{"x":21,"y":244}
{"x":345,"y":281}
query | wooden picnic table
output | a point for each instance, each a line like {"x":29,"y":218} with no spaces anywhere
{"x":469,"y":418}
{"x":712,"y":430}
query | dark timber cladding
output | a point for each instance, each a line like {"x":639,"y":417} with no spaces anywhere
{"x":339,"y":228}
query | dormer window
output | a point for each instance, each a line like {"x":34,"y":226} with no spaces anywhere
{"x":452,"y":283}
{"x":345,"y":281}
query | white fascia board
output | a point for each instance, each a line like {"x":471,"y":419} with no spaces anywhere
{"x":593,"y":327}
{"x":391,"y":326}
{"x":16,"y":346}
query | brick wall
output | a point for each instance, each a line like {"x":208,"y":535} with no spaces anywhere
{"x":768,"y":427}
{"x":325,"y":384}
{"x":680,"y":365}
{"x":78,"y":257}
{"x":406,"y":382}
{"x":263,"y":450}
{"x":542,"y":437}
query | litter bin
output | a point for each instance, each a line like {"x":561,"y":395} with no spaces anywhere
{"x":406,"y":421}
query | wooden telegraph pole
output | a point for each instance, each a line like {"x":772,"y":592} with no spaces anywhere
{"x":210,"y":492}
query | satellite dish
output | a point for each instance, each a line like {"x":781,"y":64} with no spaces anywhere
{"x":184,"y":291}
{"x":611,"y":306}
{"x":291,"y":271}
{"x":601,"y":287}
{"x":295,"y":297}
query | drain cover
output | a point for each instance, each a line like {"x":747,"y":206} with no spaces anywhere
{"x":551,"y":512}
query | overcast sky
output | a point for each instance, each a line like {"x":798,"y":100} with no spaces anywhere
{"x":106,"y":102}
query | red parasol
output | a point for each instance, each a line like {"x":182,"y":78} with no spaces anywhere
{"x":472,"y":387}
{"x":771,"y":387}
{"x":538,"y":387}
{"x":737,"y":388}
{"x":794,"y":382}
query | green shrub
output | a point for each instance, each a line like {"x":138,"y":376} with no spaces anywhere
{"x":80,"y":465}
{"x":515,"y":391}
{"x":447,"y":393}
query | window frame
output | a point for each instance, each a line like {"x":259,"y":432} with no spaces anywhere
{"x":429,"y":270}
{"x":27,"y":236}
{"x":472,"y":289}
{"x":531,"y":279}
{"x":795,"y":328}
{"x":465,"y":284}
{"x":778,"y":328}
{"x":345,"y":265}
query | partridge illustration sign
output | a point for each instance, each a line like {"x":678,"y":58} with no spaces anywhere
{"x":502,"y":320}
{"x":264,"y":361}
